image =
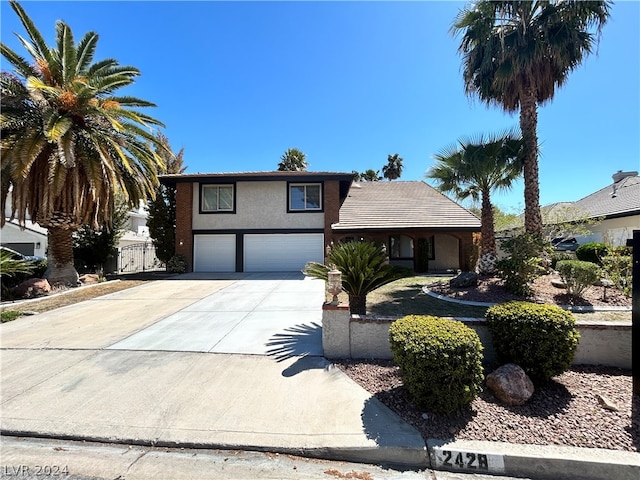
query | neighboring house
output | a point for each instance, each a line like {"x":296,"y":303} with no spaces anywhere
{"x":614,"y":211}
{"x":30,"y":240}
{"x":279,"y":221}
{"x":618,"y":208}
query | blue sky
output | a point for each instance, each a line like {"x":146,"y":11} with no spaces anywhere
{"x":348,"y":83}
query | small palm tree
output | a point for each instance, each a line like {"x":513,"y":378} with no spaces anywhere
{"x":370,"y":175}
{"x":475,"y":167}
{"x":393,"y":169}
{"x":293,"y":160}
{"x":68,"y":143}
{"x":515,"y":55}
{"x":364,"y":267}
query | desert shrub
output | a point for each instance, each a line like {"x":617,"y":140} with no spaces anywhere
{"x":440,"y":361}
{"x":522,"y":265}
{"x":177,"y":264}
{"x":578,"y":275}
{"x":542,"y":339}
{"x":559,"y":256}
{"x":618,"y":267}
{"x":592,"y":252}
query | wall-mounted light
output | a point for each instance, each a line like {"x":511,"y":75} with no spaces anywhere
{"x":38,"y":245}
{"x":181,"y":242}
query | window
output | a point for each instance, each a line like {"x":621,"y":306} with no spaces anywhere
{"x":401,"y":246}
{"x":217,"y":198}
{"x":305,"y":196}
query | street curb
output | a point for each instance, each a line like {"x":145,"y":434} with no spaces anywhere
{"x":535,"y":461}
{"x":468,"y":456}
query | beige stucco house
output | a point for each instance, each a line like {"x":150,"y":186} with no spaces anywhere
{"x":279,"y":221}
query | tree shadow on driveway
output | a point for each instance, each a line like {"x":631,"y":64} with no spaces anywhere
{"x":303,"y":342}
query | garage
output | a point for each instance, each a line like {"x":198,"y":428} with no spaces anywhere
{"x":214,"y":253}
{"x":282,"y":252}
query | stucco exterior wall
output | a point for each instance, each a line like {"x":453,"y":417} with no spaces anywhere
{"x":614,"y":231}
{"x":259,"y":205}
{"x":356,"y":336}
{"x":14,"y":234}
{"x":446,"y":253}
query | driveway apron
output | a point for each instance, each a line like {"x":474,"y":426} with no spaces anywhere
{"x":266,"y":314}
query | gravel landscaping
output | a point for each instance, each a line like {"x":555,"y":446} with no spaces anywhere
{"x":566,"y":411}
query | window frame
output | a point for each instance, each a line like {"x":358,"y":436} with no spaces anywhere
{"x":413,"y":247}
{"x":320,"y":185}
{"x":217,"y":185}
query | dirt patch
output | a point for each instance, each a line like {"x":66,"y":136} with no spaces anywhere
{"x":62,"y":298}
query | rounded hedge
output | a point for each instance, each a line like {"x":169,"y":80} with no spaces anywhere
{"x":440,"y":361}
{"x":592,"y":252}
{"x":542,"y":339}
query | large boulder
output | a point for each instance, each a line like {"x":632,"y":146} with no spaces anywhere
{"x":464,"y":280}
{"x":34,"y":287}
{"x":510,"y":384}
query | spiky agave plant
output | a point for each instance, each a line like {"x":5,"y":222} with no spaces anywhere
{"x":364,"y":268}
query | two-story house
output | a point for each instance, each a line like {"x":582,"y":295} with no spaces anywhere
{"x":279,"y":221}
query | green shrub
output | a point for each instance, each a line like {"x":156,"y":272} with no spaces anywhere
{"x":9,"y":315}
{"x":522,"y":266}
{"x":592,"y":252}
{"x":578,"y":275}
{"x":559,"y":256}
{"x":618,"y":267}
{"x":440,"y":361}
{"x":542,"y":339}
{"x":177,"y":264}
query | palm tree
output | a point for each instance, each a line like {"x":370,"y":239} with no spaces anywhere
{"x":515,"y":54}
{"x":68,"y":143}
{"x":393,"y":169}
{"x":370,"y":175}
{"x":293,"y":160}
{"x":364,"y":267}
{"x":475,"y":167}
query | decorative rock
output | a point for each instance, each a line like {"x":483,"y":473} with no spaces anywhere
{"x":464,"y":280}
{"x":89,"y":278}
{"x":606,"y":403}
{"x":558,"y":283}
{"x":510,"y":385}
{"x":33,"y":287}
{"x":604,"y":282}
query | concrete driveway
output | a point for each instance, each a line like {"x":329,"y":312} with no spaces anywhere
{"x":276,"y":313}
{"x":142,"y":366}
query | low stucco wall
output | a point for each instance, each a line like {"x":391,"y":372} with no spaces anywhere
{"x":355,"y":336}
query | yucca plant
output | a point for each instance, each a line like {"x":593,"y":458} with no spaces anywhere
{"x":364,"y":267}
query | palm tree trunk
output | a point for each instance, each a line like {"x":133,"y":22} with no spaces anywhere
{"x":528,"y":126}
{"x":60,"y":268}
{"x":487,"y":260}
{"x":358,"y":304}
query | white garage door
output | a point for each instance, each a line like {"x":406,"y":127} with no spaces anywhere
{"x":282,"y":252}
{"x":214,"y":253}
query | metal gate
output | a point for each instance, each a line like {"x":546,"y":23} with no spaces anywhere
{"x":139,"y":257}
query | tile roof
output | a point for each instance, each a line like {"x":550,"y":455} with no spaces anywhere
{"x":401,"y":205}
{"x":618,"y":199}
{"x":257,"y":176}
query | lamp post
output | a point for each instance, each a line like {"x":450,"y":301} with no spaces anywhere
{"x":334,"y":280}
